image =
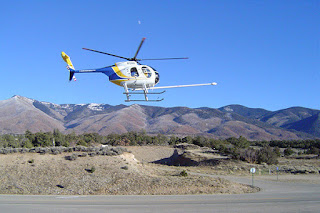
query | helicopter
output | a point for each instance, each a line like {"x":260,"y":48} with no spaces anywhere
{"x":134,"y":77}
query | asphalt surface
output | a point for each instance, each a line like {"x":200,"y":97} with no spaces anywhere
{"x":274,"y":197}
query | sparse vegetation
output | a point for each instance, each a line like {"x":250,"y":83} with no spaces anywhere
{"x":239,"y":148}
{"x":56,"y":138}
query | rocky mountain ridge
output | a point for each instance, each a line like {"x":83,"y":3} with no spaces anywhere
{"x":19,"y":114}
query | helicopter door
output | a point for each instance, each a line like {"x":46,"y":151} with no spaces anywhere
{"x":134,"y":72}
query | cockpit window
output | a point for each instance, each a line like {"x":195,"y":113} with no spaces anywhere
{"x":146,"y":71}
{"x":134,"y":72}
{"x":157,"y":78}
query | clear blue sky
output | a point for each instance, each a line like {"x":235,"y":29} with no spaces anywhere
{"x":262,"y":54}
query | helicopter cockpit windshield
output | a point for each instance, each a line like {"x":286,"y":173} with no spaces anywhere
{"x":157,"y":78}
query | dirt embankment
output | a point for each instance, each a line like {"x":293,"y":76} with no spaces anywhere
{"x":33,"y":173}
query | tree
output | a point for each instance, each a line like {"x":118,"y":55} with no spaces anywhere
{"x":187,"y":139}
{"x":59,"y":138}
{"x":173,"y":140}
{"x":71,"y":138}
{"x":42,"y":139}
{"x":240,"y":142}
{"x":26,"y":143}
{"x":277,"y":151}
{"x":30,"y":136}
{"x":10,"y":141}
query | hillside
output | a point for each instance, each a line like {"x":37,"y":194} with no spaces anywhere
{"x":19,"y":114}
{"x":310,"y":125}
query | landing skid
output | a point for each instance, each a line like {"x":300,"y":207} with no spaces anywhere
{"x":157,"y":100}
{"x":145,"y":93}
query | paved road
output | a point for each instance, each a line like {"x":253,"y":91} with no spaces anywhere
{"x":274,"y":197}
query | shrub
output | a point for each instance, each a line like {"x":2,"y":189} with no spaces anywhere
{"x":84,"y":154}
{"x":267,"y":155}
{"x":24,"y":150}
{"x":313,"y":150}
{"x":249,"y":155}
{"x":92,"y":170}
{"x":288,"y":151}
{"x":184,"y":173}
{"x":92,"y":154}
{"x":277,"y":151}
{"x":125,"y":167}
{"x":71,"y":157}
{"x":56,"y":152}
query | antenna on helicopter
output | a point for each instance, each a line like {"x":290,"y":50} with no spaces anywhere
{"x":135,"y":55}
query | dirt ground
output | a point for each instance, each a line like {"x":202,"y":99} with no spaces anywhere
{"x":33,"y":173}
{"x":234,"y":168}
{"x":130,"y":173}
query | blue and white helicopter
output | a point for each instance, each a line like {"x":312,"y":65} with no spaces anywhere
{"x":134,"y":77}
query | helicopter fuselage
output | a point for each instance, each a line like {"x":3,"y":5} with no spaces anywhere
{"x":129,"y":73}
{"x":134,"y":75}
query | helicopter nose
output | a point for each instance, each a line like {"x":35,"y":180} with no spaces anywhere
{"x":157,"y":78}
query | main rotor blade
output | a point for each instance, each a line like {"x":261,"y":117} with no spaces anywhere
{"x":107,"y":53}
{"x":160,"y":59}
{"x":135,"y":56}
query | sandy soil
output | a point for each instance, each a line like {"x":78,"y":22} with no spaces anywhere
{"x":149,"y":154}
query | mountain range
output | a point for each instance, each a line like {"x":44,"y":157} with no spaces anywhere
{"x":19,"y":114}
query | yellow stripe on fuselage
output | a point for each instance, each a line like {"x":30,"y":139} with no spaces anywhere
{"x":118,"y":82}
{"x":122,"y":77}
{"x":119,"y":73}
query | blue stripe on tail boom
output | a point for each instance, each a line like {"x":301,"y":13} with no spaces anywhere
{"x":106,"y":70}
